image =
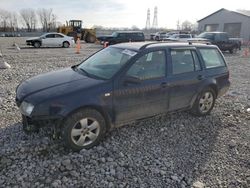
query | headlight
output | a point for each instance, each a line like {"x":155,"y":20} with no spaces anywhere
{"x":26,"y":108}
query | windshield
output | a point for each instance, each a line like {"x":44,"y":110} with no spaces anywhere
{"x":105,"y":63}
{"x":173,"y":36}
{"x":114,"y":34}
{"x":206,"y":36}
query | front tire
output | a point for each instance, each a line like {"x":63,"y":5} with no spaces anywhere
{"x":90,"y":38}
{"x":65,"y":44}
{"x":204,"y":102}
{"x":83,"y":129}
{"x":37,"y":44}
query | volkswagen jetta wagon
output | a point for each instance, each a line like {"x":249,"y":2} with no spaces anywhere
{"x":121,"y":84}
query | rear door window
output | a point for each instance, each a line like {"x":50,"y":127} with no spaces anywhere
{"x":212,"y":58}
{"x":58,"y":36}
{"x":184,"y":60}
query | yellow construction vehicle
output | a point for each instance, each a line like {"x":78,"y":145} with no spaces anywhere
{"x":74,"y":28}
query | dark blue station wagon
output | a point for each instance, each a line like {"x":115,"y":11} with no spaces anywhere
{"x":121,"y":84}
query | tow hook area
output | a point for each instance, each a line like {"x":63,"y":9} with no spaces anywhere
{"x":30,"y":128}
{"x":56,"y":133}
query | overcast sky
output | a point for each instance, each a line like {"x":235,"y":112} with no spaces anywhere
{"x":126,"y":13}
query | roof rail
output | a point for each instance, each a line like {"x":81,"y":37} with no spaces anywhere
{"x":199,"y":42}
{"x":146,"y":45}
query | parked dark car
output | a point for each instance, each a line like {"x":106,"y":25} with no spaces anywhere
{"x":122,"y":36}
{"x":220,"y":39}
{"x":121,"y":84}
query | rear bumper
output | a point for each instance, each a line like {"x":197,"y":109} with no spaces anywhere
{"x":223,"y":90}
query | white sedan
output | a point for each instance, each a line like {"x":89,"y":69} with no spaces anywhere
{"x":51,"y":40}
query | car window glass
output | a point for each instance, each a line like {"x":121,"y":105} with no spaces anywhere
{"x":209,"y":36}
{"x":50,"y":36}
{"x":217,"y":37}
{"x":58,"y":36}
{"x":223,"y":37}
{"x":149,"y":66}
{"x":212,"y":58}
{"x":121,"y":35}
{"x":182,"y":61}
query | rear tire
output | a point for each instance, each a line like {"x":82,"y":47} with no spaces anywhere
{"x":83,"y":129}
{"x":90,"y":39}
{"x":233,"y":51}
{"x":204,"y":102}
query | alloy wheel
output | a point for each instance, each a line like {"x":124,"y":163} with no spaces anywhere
{"x":85,"y":131}
{"x":206,"y":102}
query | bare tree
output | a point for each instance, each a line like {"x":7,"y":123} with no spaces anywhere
{"x":4,"y":17}
{"x":13,"y":21}
{"x":187,"y":25}
{"x":8,"y":20}
{"x":53,"y":23}
{"x":47,"y":19}
{"x":29,"y":18}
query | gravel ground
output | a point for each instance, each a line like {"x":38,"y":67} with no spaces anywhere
{"x":174,"y":150}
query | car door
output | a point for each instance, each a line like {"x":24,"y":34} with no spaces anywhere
{"x":141,"y":90}
{"x":48,"y":40}
{"x":185,"y":79}
{"x":121,"y":38}
{"x":59,"y":39}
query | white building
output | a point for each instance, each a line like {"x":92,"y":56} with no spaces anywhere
{"x":236,"y":24}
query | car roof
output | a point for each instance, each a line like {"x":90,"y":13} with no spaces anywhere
{"x":53,"y":33}
{"x":137,"y":46}
{"x":214,"y":32}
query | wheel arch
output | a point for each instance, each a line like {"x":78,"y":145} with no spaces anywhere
{"x":34,"y":41}
{"x":211,"y":84}
{"x":214,"y":87}
{"x":65,"y":41}
{"x":106,"y":116}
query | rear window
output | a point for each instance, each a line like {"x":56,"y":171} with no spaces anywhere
{"x":212,"y":58}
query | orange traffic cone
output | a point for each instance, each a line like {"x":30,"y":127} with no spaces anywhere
{"x":105,"y":44}
{"x":78,"y":45}
{"x":246,"y":52}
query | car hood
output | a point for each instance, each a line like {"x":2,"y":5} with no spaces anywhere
{"x":33,"y":38}
{"x":55,"y":83}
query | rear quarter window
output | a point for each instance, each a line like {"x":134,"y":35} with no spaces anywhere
{"x":212,"y":58}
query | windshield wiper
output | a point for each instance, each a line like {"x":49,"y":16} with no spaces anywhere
{"x":90,"y":75}
{"x":84,"y":71}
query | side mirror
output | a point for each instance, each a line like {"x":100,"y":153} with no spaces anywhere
{"x":131,"y":80}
